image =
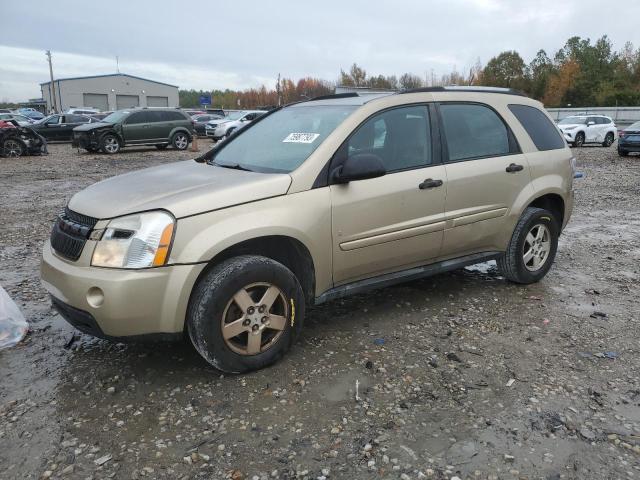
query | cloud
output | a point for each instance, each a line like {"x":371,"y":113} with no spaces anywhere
{"x":242,"y":44}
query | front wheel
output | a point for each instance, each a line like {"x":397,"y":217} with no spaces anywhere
{"x":180,"y":141}
{"x":579,"y":140}
{"x":532,"y":247}
{"x":110,"y":144}
{"x":245,"y":313}
{"x":12,"y":148}
{"x":608,"y":140}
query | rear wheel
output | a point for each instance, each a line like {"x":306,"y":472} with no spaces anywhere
{"x":110,"y":144}
{"x":245,"y":313}
{"x":180,"y":141}
{"x":579,"y":140}
{"x":12,"y":148}
{"x":532,"y":247}
{"x":608,"y":140}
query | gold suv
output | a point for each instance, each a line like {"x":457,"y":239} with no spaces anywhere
{"x":311,"y":202}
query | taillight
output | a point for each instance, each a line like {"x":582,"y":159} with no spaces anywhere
{"x":620,"y":133}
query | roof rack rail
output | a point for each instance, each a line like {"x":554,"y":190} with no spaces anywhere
{"x":457,"y":88}
{"x":336,"y":95}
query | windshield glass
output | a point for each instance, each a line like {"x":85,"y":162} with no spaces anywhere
{"x":115,"y":117}
{"x":234,"y":115}
{"x":282,"y":141}
{"x":573,"y":120}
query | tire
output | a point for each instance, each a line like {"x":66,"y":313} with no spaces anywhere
{"x":513,"y":265}
{"x":579,"y":140}
{"x":623,"y":153}
{"x":180,"y":141}
{"x":12,"y":148}
{"x":213,"y":304}
{"x":161,"y":146}
{"x":110,"y":144}
{"x":608,"y":140}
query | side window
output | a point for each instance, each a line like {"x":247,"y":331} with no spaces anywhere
{"x":54,"y":120}
{"x":542,"y":131}
{"x":137,"y":117}
{"x":400,"y":137}
{"x":474,"y":131}
{"x":249,"y":117}
{"x":592,"y":120}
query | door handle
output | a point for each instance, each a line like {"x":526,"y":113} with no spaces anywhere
{"x":514,"y":168}
{"x":430,"y":183}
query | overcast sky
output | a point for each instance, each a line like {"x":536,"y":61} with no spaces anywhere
{"x":241,"y":44}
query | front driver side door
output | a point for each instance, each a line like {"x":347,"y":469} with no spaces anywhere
{"x":393,"y":222}
{"x":136,"y":128}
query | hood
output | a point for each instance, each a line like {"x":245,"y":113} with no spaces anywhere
{"x":87,"y":127}
{"x":183,"y":188}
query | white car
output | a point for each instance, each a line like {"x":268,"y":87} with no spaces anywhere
{"x":581,"y":129}
{"x":224,"y":127}
{"x":83,"y":110}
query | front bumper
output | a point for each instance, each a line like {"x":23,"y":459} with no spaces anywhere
{"x":119,"y":303}
{"x":569,"y":136}
{"x":84,"y":140}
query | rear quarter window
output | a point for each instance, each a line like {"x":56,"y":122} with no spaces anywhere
{"x":542,"y":131}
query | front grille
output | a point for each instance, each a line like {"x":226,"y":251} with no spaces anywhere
{"x":70,"y":232}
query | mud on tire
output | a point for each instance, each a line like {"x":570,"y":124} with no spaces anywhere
{"x":209,"y":309}
{"x":532,"y":222}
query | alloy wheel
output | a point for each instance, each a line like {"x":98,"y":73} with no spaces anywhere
{"x":537,"y":246}
{"x":12,"y":148}
{"x":255,"y":318}
{"x":111,"y":145}
{"x":608,"y":140}
{"x":181,"y":141}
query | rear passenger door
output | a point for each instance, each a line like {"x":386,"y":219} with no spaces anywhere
{"x":486,"y":172}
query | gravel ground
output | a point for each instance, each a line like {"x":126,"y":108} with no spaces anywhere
{"x":459,"y":375}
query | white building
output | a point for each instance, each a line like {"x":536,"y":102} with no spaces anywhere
{"x":108,"y":92}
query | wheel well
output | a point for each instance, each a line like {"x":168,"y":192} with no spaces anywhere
{"x":552,"y":202}
{"x":286,"y":250}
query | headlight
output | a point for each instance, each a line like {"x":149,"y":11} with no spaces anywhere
{"x":135,"y":241}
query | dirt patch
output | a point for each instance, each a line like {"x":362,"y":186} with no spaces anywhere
{"x":432,"y":359}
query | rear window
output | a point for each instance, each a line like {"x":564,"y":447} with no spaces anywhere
{"x":542,"y":131}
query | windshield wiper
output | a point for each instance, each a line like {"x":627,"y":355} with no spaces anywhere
{"x":234,"y":166}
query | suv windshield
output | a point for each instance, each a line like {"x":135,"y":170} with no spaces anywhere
{"x":282,"y":141}
{"x":115,"y":117}
{"x":573,"y":120}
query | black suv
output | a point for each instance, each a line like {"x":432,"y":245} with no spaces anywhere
{"x":137,"y":126}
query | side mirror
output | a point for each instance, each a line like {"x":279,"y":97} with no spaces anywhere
{"x":360,"y":166}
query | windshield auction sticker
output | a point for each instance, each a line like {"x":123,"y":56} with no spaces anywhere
{"x":301,"y":138}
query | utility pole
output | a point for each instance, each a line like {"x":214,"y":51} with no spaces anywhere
{"x":279,"y":91}
{"x":53,"y":87}
{"x":117,"y":64}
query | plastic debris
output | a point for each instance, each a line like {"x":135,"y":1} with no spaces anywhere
{"x":13,"y":326}
{"x":357,"y":391}
{"x":378,"y":341}
{"x":511,"y":382}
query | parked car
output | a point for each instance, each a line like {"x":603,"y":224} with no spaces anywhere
{"x":21,"y":119}
{"x":60,"y":127}
{"x":31,"y":113}
{"x":233,"y":122}
{"x":581,"y":129}
{"x":100,"y":116}
{"x":629,"y":139}
{"x":5,"y":110}
{"x":191,"y":113}
{"x":139,"y":126}
{"x":217,"y":111}
{"x":16,"y":140}
{"x":201,"y":120}
{"x":83,"y":110}
{"x":307,"y":205}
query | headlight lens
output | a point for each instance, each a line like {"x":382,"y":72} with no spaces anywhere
{"x":135,"y":241}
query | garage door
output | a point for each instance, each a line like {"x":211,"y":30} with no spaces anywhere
{"x":96,"y":100}
{"x":127,"y":101}
{"x":157,"y":101}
